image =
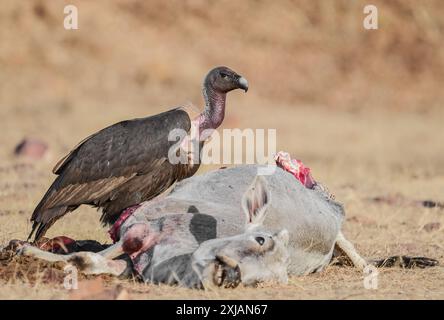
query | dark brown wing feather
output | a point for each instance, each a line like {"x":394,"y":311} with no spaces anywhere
{"x":58,"y":167}
{"x":113,"y":168}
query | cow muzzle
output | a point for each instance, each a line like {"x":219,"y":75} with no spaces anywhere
{"x":222,"y":272}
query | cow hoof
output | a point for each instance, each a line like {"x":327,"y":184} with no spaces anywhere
{"x":16,"y":246}
{"x":24,"y":250}
{"x":406,"y":262}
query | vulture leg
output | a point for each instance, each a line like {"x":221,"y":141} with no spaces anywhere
{"x":348,"y":248}
{"x":86,"y":262}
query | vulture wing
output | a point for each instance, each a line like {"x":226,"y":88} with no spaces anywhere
{"x":105,"y":161}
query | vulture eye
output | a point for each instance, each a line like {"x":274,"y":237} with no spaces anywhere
{"x":260,"y":240}
{"x":224,"y":75}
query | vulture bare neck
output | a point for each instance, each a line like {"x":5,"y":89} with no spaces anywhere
{"x":214,"y":111}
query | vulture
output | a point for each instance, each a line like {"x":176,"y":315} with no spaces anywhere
{"x":127,"y":163}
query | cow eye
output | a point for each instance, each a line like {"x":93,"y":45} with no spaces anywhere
{"x":260,"y":240}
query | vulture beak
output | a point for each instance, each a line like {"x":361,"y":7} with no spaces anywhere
{"x":243,"y":83}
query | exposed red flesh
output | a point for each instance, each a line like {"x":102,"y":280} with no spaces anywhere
{"x":296,"y":168}
{"x":115,"y":229}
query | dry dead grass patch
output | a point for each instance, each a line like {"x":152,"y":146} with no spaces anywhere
{"x":358,"y":156}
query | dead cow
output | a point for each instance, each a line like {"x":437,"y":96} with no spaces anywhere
{"x":197,"y":237}
{"x":192,"y":249}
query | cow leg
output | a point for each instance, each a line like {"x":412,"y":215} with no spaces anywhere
{"x":86,"y":262}
{"x":395,"y":261}
{"x":349,"y":249}
{"x":113,"y":251}
{"x":95,"y":263}
{"x":34,"y":252}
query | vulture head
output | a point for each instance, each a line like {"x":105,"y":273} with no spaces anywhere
{"x":223,"y":80}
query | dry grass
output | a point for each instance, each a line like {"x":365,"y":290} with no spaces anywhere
{"x":367,"y":125}
{"x":354,"y":161}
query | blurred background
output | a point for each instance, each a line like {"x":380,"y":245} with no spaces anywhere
{"x":303,"y":59}
{"x":134,"y":58}
{"x":362,"y":108}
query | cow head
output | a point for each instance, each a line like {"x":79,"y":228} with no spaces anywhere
{"x":254,"y":256}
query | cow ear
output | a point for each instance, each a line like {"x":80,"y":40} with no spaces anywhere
{"x":255,"y":202}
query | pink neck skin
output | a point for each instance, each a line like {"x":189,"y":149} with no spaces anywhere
{"x":213,"y":115}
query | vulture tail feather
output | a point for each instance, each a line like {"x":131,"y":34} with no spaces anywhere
{"x":47,"y":219}
{"x":34,"y":228}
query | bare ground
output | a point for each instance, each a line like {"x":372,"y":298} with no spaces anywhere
{"x":359,"y":156}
